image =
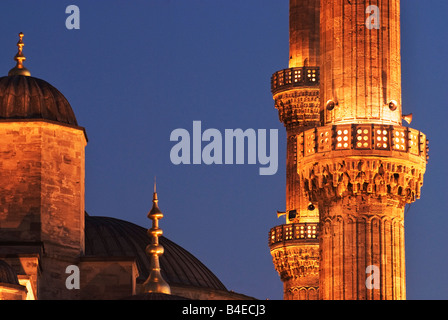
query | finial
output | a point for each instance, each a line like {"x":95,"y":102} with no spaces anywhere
{"x":154,"y":197}
{"x":155,"y":282}
{"x":19,"y":69}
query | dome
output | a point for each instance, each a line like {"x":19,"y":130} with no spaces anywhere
{"x":109,"y":237}
{"x":7,"y":273}
{"x":26,"y":97}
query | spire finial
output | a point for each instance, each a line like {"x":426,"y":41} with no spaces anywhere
{"x":155,"y":282}
{"x":154,"y":197}
{"x":19,"y":69}
{"x":155,"y":184}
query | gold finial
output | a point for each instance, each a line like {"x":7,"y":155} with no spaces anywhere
{"x":19,"y":69}
{"x":155,"y":191}
{"x":155,"y":282}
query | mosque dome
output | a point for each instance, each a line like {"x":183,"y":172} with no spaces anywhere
{"x":26,"y":97}
{"x":109,"y":237}
{"x":7,"y":274}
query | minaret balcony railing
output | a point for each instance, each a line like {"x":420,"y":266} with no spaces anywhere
{"x":294,"y":232}
{"x":294,"y":77}
{"x":364,"y":140}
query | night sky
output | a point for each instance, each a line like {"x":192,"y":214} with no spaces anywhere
{"x":137,"y":70}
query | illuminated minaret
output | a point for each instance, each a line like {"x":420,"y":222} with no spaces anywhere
{"x":294,"y":246}
{"x":362,"y":166}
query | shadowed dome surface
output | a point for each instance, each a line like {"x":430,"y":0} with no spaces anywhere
{"x":7,"y":274}
{"x":111,"y":237}
{"x":25,"y":97}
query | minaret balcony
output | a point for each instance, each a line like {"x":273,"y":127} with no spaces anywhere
{"x":348,"y":160}
{"x":290,"y":78}
{"x":363,"y":140}
{"x":294,"y":233}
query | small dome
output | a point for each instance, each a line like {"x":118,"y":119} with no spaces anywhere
{"x":108,"y":237}
{"x":7,"y":274}
{"x":26,"y":97}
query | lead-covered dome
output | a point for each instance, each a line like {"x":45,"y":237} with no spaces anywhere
{"x":26,"y":97}
{"x":109,"y":237}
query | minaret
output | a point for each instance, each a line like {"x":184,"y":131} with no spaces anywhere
{"x":155,"y":282}
{"x":294,"y":245}
{"x":370,"y":166}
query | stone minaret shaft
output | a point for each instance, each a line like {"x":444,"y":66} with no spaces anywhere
{"x":362,"y":166}
{"x":294,"y":245}
{"x":361,"y":65}
{"x":297,"y":94}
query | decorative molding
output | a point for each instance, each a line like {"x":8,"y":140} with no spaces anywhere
{"x":336,"y":178}
{"x":301,"y":293}
{"x":292,"y":262}
{"x":299,"y":106}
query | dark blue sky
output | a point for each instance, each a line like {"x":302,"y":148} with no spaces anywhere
{"x":137,"y":70}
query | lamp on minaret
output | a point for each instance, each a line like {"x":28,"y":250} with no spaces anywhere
{"x":155,"y":282}
{"x":19,"y":69}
